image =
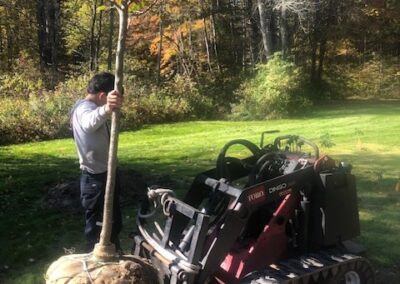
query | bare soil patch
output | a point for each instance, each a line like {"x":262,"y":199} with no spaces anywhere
{"x":65,"y":196}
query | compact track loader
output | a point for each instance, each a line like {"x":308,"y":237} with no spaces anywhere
{"x":281,"y":215}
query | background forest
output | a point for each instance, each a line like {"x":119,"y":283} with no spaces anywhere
{"x":187,"y":59}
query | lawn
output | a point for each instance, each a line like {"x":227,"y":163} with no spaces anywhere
{"x":363,"y":133}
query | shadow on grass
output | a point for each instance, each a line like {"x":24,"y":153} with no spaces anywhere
{"x":32,"y":236}
{"x":345,"y":108}
{"x":379,"y":206}
{"x":30,"y":233}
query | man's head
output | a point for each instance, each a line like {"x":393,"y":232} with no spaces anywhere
{"x":102,"y":82}
{"x":99,"y":86}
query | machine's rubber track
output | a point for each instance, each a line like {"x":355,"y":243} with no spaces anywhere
{"x":320,"y":267}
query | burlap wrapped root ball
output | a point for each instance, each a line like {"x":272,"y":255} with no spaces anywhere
{"x":84,"y":269}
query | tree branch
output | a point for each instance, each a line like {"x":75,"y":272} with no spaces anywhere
{"x":114,"y":4}
{"x":142,"y":12}
{"x":301,"y":8}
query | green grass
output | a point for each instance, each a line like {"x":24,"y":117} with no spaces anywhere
{"x":364,"y":134}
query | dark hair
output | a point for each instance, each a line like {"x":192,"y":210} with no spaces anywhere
{"x":102,"y":82}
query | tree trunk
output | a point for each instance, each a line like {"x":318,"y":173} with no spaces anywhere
{"x":110,"y":39}
{"x":92,"y":37}
{"x":54,"y":27}
{"x":205,"y":35}
{"x":364,"y":50}
{"x":313,"y":67}
{"x":47,"y":15}
{"x":160,"y":46}
{"x":10,"y":44}
{"x":321,"y":57}
{"x":252,"y":30}
{"x":265,"y":27}
{"x":233,"y":36}
{"x":41,"y":30}
{"x":244,"y":36}
{"x":104,"y":249}
{"x":207,"y":45}
{"x":98,"y":38}
{"x":1,"y":41}
{"x":214,"y":35}
{"x":313,"y":37}
{"x":190,"y":40}
{"x":190,"y":63}
{"x":284,"y":32}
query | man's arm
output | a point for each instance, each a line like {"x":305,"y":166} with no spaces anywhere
{"x":91,"y":119}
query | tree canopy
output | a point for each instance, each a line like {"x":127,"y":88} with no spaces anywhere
{"x":192,"y":37}
{"x":194,"y":58}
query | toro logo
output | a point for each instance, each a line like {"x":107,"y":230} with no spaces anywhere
{"x":256,"y":195}
{"x":277,"y":188}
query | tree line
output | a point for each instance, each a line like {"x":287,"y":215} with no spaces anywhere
{"x":193,"y":37}
{"x":190,"y":59}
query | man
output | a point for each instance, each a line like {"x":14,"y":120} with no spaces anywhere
{"x":92,"y":136}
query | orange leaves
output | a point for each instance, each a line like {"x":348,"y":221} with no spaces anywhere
{"x":177,"y":41}
{"x":133,"y":5}
{"x":183,"y":33}
{"x":143,"y":29}
{"x":174,"y":9}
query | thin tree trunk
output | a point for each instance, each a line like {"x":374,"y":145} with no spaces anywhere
{"x":98,"y":39}
{"x":313,"y":67}
{"x":252,"y":30}
{"x":364,"y":47}
{"x":321,"y":57}
{"x":160,"y":46}
{"x":110,"y":39}
{"x":1,"y":40}
{"x":314,"y":46}
{"x":54,"y":26}
{"x":47,"y":15}
{"x":92,"y":36}
{"x":233,"y":35}
{"x":244,"y":36}
{"x":104,"y":249}
{"x":190,"y":64}
{"x":214,"y":35}
{"x":284,"y":32}
{"x":207,"y":45}
{"x":10,"y":53}
{"x":265,"y":27}
{"x":41,"y":31}
{"x":201,"y":3}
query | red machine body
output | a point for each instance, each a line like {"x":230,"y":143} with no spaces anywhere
{"x":273,"y":239}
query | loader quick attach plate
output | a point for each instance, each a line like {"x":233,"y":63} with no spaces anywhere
{"x":334,"y":210}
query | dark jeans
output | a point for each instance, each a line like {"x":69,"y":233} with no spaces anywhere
{"x":92,"y":199}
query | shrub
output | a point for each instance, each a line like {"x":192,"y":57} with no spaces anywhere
{"x":187,"y":89}
{"x":177,"y":100}
{"x":275,"y":91}
{"x":41,"y":115}
{"x":22,"y":80}
{"x":219,"y":90}
{"x":44,"y":114}
{"x":377,"y":78}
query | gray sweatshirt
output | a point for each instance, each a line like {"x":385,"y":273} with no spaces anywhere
{"x":91,"y":134}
